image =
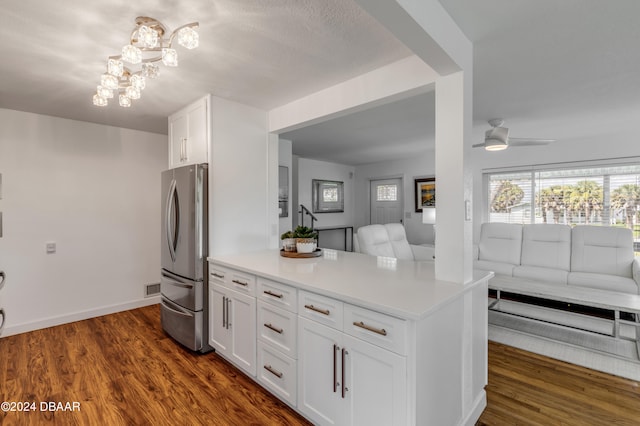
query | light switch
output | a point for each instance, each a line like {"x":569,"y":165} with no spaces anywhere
{"x":51,"y":247}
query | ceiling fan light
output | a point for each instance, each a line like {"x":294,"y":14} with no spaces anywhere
{"x":169,"y":57}
{"x":494,"y":145}
{"x":188,"y":37}
{"x":131,"y":54}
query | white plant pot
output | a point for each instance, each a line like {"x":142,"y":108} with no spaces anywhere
{"x":306,"y":247}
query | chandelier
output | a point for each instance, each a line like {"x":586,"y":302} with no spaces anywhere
{"x":148,"y":47}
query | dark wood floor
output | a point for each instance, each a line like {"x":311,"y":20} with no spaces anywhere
{"x":123,"y":370}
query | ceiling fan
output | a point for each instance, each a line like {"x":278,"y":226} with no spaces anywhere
{"x":497,"y":138}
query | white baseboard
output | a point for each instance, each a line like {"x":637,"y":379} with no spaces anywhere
{"x":78,"y":316}
{"x":476,"y":411}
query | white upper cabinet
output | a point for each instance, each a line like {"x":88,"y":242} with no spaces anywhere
{"x":189,"y":134}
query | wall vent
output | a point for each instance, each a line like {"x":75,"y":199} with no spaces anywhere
{"x":151,"y":289}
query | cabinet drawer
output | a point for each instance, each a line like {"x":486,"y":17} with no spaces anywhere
{"x":277,"y":327}
{"x":322,"y":309}
{"x":237,"y":280}
{"x":278,"y":294}
{"x":379,"y":329}
{"x":277,"y":372}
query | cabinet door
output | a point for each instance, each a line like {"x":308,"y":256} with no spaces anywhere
{"x":219,"y":335}
{"x":375,"y":384}
{"x":178,"y":133}
{"x":197,"y":141}
{"x":189,"y":134}
{"x":242,"y":323}
{"x":319,"y":373}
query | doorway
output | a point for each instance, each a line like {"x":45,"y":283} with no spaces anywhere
{"x":386,"y":201}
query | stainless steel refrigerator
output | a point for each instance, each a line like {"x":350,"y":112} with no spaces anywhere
{"x":184,"y":247}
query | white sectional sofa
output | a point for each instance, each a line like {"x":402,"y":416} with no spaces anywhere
{"x":389,"y":240}
{"x":599,"y":257}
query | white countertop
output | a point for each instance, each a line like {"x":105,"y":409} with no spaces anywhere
{"x":402,"y":288}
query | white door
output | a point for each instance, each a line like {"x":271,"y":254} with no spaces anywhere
{"x":386,"y":201}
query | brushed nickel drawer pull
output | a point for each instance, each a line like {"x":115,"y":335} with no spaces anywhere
{"x":240,"y":282}
{"x":321,"y":311}
{"x":217,"y":275}
{"x":270,"y":293}
{"x":277,"y":330}
{"x":381,"y":331}
{"x":271,"y":370}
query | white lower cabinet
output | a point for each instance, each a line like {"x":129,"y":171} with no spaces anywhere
{"x":343,"y":380}
{"x":232,"y":326}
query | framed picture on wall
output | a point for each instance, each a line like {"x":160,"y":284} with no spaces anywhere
{"x":283,"y":191}
{"x":425,"y":193}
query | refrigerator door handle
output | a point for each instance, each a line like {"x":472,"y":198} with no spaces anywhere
{"x":173,"y":280}
{"x":176,"y":311}
{"x":2,"y":277}
{"x":172,"y":228}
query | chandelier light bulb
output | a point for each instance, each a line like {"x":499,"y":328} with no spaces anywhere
{"x":109,"y":81}
{"x":99,"y":100}
{"x":148,"y":37}
{"x":115,"y":67}
{"x":124,"y":101}
{"x":132,"y":92}
{"x":137,"y":81}
{"x":188,"y":38}
{"x":150,"y":70}
{"x":104,"y":92}
{"x":169,"y":57}
{"x":131,"y":54}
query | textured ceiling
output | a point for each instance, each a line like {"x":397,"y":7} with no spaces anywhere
{"x":259,"y":53}
{"x":568,"y":70}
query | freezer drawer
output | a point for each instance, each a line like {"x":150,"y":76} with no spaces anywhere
{"x":183,"y":325}
{"x":186,"y":293}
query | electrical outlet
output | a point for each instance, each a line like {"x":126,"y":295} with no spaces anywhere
{"x":51,"y":247}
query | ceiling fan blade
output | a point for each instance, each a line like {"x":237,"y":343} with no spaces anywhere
{"x":478,"y":145}
{"x":529,"y":141}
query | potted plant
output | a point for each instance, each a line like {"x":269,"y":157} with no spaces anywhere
{"x":288,"y":241}
{"x":306,"y":239}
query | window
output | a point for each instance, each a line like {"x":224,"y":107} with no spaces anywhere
{"x":387,"y":193}
{"x":601,"y":195}
{"x":327,"y":196}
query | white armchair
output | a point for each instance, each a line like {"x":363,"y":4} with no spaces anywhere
{"x":389,"y":240}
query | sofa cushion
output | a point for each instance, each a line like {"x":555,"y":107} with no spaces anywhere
{"x":603,"y":282}
{"x":602,"y":250}
{"x":500,"y":242}
{"x":497,"y":267}
{"x":547,"y":246}
{"x":398,"y":240}
{"x":547,"y":275}
{"x":374,"y":240}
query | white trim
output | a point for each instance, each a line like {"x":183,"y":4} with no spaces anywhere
{"x":478,"y":407}
{"x":606,"y":162}
{"x":78,"y":316}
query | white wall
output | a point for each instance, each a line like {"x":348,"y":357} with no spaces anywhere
{"x":285,"y":159}
{"x":241,"y":204}
{"x":95,"y":191}
{"x":590,"y":147}
{"x":313,"y":169}
{"x":408,"y":169}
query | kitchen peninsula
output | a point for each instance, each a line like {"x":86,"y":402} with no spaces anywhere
{"x":347,"y":338}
